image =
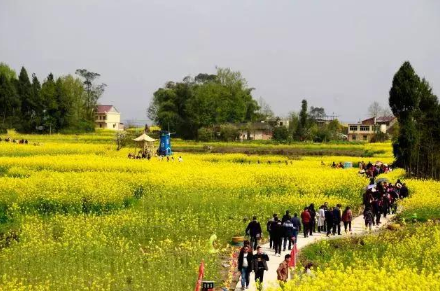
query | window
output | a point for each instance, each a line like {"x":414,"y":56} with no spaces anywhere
{"x":365,"y":128}
{"x":353,"y":128}
{"x":365,"y":137}
{"x":353,"y":137}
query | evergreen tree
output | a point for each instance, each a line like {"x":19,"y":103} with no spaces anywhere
{"x":24,"y":91}
{"x":302,"y":124}
{"x":37,"y":114}
{"x":404,"y":101}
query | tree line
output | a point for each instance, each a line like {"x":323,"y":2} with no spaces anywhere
{"x":63,"y":104}
{"x":416,"y":147}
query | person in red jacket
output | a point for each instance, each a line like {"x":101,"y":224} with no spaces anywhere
{"x":306,"y":217}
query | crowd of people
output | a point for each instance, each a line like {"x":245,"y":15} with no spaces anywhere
{"x":18,"y":141}
{"x":379,"y":199}
{"x":374,"y":170}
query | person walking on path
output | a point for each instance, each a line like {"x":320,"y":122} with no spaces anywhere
{"x":347,"y":217}
{"x":368,"y":217}
{"x":283,"y":270}
{"x":321,"y":219}
{"x":245,"y":259}
{"x":337,"y":220}
{"x":305,"y":218}
{"x":269,"y":229}
{"x":375,"y":205}
{"x":254,"y":231}
{"x":312,"y":226}
{"x":296,"y":227}
{"x":329,"y":220}
{"x":288,"y":234}
{"x":278,"y":233}
{"x":260,"y":264}
{"x":286,"y":216}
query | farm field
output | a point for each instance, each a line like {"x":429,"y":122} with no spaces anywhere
{"x":79,"y":215}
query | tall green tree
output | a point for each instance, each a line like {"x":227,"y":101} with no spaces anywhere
{"x":50,"y":105}
{"x":24,"y":91}
{"x":302,"y":124}
{"x":93,"y":91}
{"x":404,"y":101}
{"x":37,"y":114}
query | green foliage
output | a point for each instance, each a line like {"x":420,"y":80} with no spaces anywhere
{"x":205,"y":134}
{"x":65,"y":104}
{"x":417,"y":145}
{"x":208,"y":100}
{"x":228,"y":132}
{"x":280,"y":133}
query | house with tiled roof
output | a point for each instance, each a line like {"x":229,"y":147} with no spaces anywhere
{"x":365,"y":130}
{"x":108,"y":117}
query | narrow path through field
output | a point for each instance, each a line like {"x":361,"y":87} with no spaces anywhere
{"x":270,"y":277}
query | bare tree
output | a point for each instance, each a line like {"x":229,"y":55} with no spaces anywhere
{"x":375,"y":109}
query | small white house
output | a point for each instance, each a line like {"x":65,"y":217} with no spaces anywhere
{"x":108,"y":117}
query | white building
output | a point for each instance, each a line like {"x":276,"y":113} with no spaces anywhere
{"x":108,"y":117}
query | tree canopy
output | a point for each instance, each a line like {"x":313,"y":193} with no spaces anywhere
{"x":206,"y":100}
{"x":58,"y":104}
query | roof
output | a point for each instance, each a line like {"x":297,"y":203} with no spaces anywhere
{"x":380,"y":119}
{"x":385,"y":119}
{"x":104,"y":108}
{"x":144,"y":137}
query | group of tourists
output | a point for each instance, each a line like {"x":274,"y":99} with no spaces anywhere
{"x":381,"y":199}
{"x":17,"y":141}
{"x":148,"y":156}
{"x":373,"y":170}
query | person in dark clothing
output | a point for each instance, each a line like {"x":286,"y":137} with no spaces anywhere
{"x":260,"y":264}
{"x":385,"y":205}
{"x":245,"y":262}
{"x":312,"y":226}
{"x":329,"y":220}
{"x":404,"y":191}
{"x":254,"y":231}
{"x":305,"y":218}
{"x":337,"y":219}
{"x":296,"y":227}
{"x":288,"y":234}
{"x":375,"y":207}
{"x":278,"y":233}
{"x":286,"y":217}
{"x":269,"y":230}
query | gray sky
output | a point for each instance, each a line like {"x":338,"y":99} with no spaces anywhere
{"x":340,"y":55}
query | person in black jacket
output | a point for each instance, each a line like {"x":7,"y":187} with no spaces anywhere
{"x":269,"y":230}
{"x":260,"y":264}
{"x":286,"y":217}
{"x":404,"y":191}
{"x":296,"y":227}
{"x":337,"y":219}
{"x":312,"y":225}
{"x":245,"y":262}
{"x":254,"y":231}
{"x":278,"y":233}
{"x":329,"y":220}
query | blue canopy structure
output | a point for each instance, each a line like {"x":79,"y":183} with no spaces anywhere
{"x":165,"y":143}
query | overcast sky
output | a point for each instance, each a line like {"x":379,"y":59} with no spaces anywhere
{"x":340,"y":55}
